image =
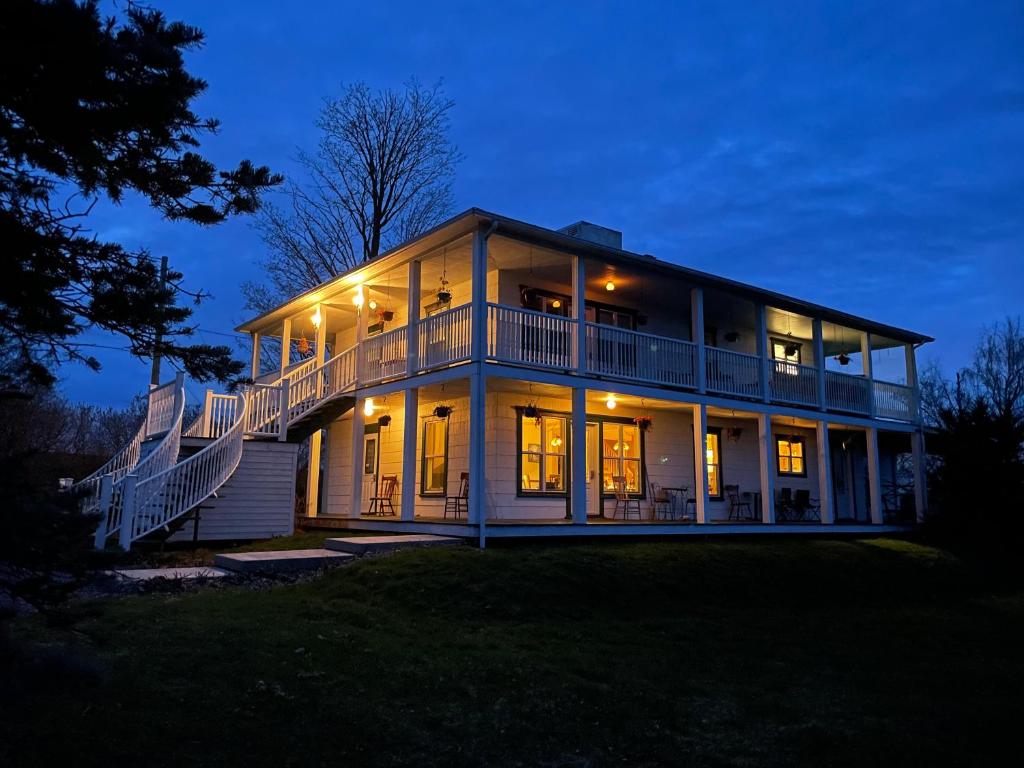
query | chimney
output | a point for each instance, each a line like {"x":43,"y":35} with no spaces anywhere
{"x":584,"y":230}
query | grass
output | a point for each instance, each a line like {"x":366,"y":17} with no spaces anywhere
{"x":818,"y":653}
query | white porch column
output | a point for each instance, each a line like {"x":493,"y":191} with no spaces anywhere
{"x":874,"y":478}
{"x":697,"y":336}
{"x":316,"y":439}
{"x":819,"y":359}
{"x":413,"y":320}
{"x":766,"y":451}
{"x":912,"y":382}
{"x":286,"y":346}
{"x":824,"y":473}
{"x":762,"y":352}
{"x":360,"y":335}
{"x":865,"y":356}
{"x":579,"y":455}
{"x":358,"y":445}
{"x":700,"y":462}
{"x":579,"y":311}
{"x":479,"y":297}
{"x":255,"y":366}
{"x":920,"y":475}
{"x":409,"y":446}
{"x":477,"y":449}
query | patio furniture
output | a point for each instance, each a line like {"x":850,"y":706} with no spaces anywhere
{"x":458,"y":504}
{"x":384,"y":497}
{"x":624,"y":500}
{"x":677,"y":498}
{"x":737,"y":504}
{"x":784,"y":508}
{"x":661,"y":502}
{"x":807,"y":509}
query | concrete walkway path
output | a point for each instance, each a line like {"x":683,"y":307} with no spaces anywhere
{"x":283,"y":561}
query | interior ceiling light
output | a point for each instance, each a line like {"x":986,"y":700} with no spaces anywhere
{"x":609,"y":286}
{"x":610,"y":402}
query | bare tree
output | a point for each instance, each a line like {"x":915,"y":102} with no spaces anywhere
{"x":382,"y":174}
{"x":998,"y":370}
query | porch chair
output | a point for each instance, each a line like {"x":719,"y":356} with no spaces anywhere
{"x":661,"y":502}
{"x":624,"y":500}
{"x":784,"y":509}
{"x":737,"y":504}
{"x":384,"y":497}
{"x":806,"y":508}
{"x":458,"y":504}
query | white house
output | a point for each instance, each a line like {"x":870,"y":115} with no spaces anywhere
{"x":496,"y":378}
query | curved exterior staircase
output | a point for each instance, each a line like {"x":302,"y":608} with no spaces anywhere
{"x":168,"y":474}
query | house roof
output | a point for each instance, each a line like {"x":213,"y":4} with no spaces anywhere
{"x":472,"y":218}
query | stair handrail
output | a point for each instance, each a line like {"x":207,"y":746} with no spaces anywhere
{"x":164,"y":455}
{"x":321,"y":384}
{"x":161,"y":498}
{"x":118,"y":465}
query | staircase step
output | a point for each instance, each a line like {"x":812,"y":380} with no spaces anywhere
{"x":282,"y":561}
{"x":362,"y":545}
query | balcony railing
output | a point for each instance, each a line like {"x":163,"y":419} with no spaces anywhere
{"x":733,"y":373}
{"x":794,"y":383}
{"x":894,"y":401}
{"x":384,"y":356}
{"x":446,"y":338}
{"x":844,"y":392}
{"x":640,"y":356}
{"x":524,"y":336}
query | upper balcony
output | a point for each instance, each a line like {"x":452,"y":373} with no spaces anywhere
{"x":641,"y":321}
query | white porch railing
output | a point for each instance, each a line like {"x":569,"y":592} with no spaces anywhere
{"x":794,"y":383}
{"x":893,"y":401}
{"x":292,"y":371}
{"x":217,"y":417}
{"x":160,"y":409}
{"x":640,"y":356}
{"x":733,"y":373}
{"x":384,"y":356}
{"x":524,"y":336}
{"x":446,"y":338}
{"x":155,"y":501}
{"x":321,"y":384}
{"x":844,"y":392}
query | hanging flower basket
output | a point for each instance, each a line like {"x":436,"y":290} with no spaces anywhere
{"x":734,"y":433}
{"x":792,"y":349}
{"x":387,"y":315}
{"x":531,"y":411}
{"x":645,"y":423}
{"x":444,"y":296}
{"x":443,"y":411}
{"x":843,"y":359}
{"x":303,"y":346}
{"x":384,"y":421}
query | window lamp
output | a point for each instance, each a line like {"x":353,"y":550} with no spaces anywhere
{"x":789,"y":454}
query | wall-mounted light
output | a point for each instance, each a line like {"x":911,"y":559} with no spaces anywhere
{"x":609,"y":286}
{"x":611,"y":402}
{"x":368,"y":407}
{"x":358,"y":298}
{"x":372,"y":304}
{"x":317,"y":318}
{"x":556,"y":304}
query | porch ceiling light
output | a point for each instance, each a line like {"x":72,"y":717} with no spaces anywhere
{"x":609,"y":286}
{"x":368,"y":407}
{"x":610,"y":402}
{"x":358,"y":298}
{"x":317,"y":317}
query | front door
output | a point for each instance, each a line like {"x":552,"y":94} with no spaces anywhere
{"x":593,"y":486}
{"x":371,"y":458}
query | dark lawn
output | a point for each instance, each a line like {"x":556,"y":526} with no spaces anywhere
{"x":764,"y":652}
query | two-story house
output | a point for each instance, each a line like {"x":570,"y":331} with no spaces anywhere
{"x":496,"y":378}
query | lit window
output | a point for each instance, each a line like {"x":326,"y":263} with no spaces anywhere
{"x":434,"y":469}
{"x":620,"y":451}
{"x":789,"y":451}
{"x":542,"y":454}
{"x":713,"y":454}
{"x":786,"y":354}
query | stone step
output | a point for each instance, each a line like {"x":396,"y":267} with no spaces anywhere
{"x":177,"y":572}
{"x":364,"y":545}
{"x":283,"y":561}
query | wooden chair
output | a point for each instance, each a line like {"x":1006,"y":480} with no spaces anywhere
{"x":661,"y":502}
{"x":806,"y":508}
{"x":784,"y":509}
{"x":624,"y":501}
{"x":383,"y":499}
{"x":458,"y":504}
{"x":737,"y":504}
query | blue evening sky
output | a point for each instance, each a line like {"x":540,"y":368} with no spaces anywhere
{"x":864,"y":155}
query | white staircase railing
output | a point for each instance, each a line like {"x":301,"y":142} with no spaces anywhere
{"x":119,"y":465}
{"x":322,"y":384}
{"x":114,"y":493}
{"x":153,"y":502}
